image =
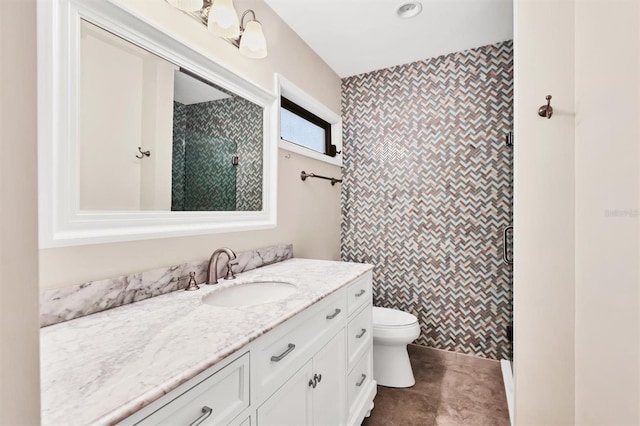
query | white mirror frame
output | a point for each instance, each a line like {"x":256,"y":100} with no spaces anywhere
{"x":61,"y":222}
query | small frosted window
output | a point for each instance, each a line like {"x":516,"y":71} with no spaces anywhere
{"x":296,"y":129}
{"x":301,"y":127}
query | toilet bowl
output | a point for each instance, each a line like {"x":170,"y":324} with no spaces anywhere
{"x":393,"y":330}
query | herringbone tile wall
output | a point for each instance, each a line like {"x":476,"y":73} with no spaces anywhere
{"x":428,"y":189}
{"x":206,"y":137}
{"x":210,"y":176}
{"x":177,"y":159}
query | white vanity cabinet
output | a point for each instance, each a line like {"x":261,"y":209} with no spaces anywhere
{"x":216,"y":396}
{"x":329,"y":402}
{"x":361,"y":388}
{"x":313,"y":369}
{"x":286,"y":348}
{"x":315,"y":395}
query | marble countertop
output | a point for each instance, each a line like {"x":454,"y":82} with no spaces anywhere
{"x":101,"y":368}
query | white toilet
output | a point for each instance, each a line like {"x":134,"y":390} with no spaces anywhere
{"x":393,"y":330}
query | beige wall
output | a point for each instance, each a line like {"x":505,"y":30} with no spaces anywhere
{"x":126,"y":98}
{"x":607,"y":86}
{"x":577,"y":339}
{"x":19,"y":372}
{"x":544,"y":213}
{"x":157,"y":135}
{"x":308,"y":212}
{"x":110,"y":130}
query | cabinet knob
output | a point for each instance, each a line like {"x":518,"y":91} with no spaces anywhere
{"x":312,"y":383}
{"x":317,"y":378}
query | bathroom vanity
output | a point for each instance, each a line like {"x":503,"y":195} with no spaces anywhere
{"x":304,"y":358}
{"x":227,"y":353}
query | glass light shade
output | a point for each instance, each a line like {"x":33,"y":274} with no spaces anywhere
{"x":253,"y":44}
{"x":186,"y":5}
{"x":223,"y":19}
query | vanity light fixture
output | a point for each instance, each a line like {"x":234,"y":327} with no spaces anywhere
{"x":186,"y":5}
{"x":221,"y":19}
{"x":252,"y":42}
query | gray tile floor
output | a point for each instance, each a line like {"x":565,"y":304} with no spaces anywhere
{"x":450,"y":389}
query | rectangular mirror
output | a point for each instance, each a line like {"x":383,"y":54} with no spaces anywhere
{"x":142,"y":137}
{"x":154,"y":136}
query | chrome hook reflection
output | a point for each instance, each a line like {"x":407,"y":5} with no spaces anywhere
{"x":143,"y":153}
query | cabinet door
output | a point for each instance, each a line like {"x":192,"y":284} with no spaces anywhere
{"x":291,"y":404}
{"x":329,"y":395}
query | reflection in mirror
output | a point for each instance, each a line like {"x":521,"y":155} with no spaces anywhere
{"x":217,"y":148}
{"x":204,"y":143}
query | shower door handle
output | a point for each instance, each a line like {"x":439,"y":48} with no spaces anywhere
{"x":505,"y":253}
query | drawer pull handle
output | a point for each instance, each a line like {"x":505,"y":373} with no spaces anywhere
{"x":360,"y":293}
{"x":206,"y":412}
{"x":312,"y":383}
{"x":317,"y":378}
{"x":362,"y":379}
{"x":290,"y":348}
{"x":362,"y":332}
{"x":334,"y":314}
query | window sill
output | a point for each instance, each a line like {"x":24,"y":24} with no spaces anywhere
{"x":336,"y":161}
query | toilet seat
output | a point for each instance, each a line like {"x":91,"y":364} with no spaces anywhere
{"x":392,"y":318}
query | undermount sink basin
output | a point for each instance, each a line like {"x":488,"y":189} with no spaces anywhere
{"x":247,"y":294}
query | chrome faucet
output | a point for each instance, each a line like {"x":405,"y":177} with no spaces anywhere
{"x":212,"y":275}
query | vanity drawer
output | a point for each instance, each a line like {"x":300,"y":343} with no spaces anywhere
{"x":284,"y":352}
{"x":334,"y":311}
{"x":359,"y":293}
{"x":225,"y":393}
{"x":359,"y":381}
{"x":359,"y":335}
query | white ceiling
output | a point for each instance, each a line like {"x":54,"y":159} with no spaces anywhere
{"x":188,"y":90}
{"x":357,"y":36}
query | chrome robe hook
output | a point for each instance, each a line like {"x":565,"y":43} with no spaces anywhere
{"x":143,"y":153}
{"x":546,"y":110}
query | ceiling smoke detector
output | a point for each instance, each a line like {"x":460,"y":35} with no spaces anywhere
{"x":409,"y":9}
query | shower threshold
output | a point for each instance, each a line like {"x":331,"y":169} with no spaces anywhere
{"x":507,"y":378}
